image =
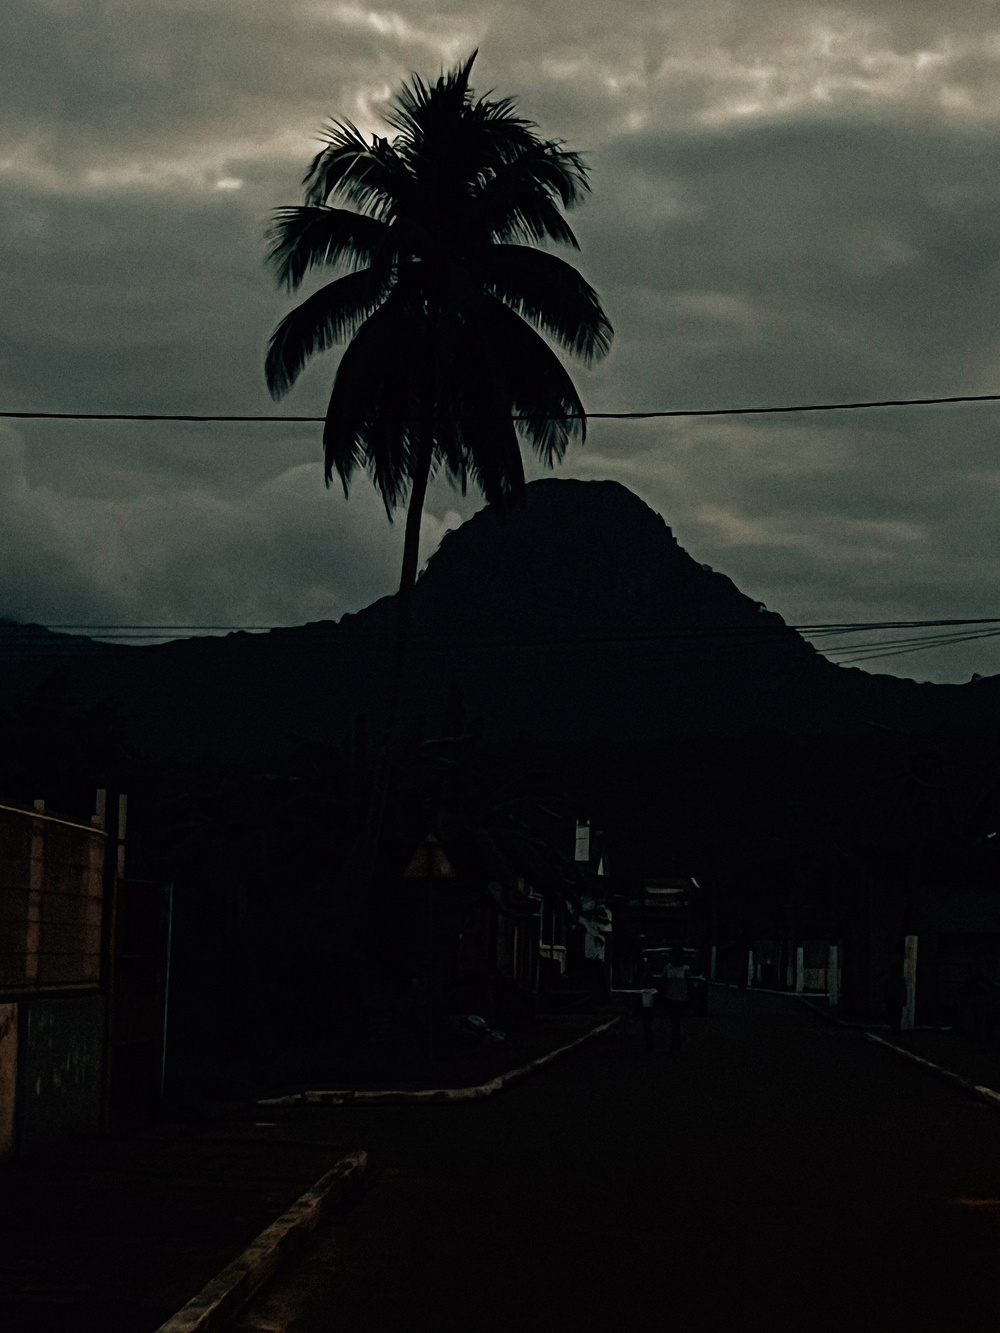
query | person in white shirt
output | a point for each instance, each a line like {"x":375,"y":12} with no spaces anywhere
{"x":647,"y":1001}
{"x":675,"y":984}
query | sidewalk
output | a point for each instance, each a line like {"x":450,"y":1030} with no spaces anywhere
{"x":115,"y":1236}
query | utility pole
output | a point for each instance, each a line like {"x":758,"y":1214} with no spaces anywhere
{"x":909,"y":1014}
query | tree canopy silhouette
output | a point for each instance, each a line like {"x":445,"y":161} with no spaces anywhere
{"x":442,"y":301}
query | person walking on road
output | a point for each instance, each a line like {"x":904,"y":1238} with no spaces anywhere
{"x":647,"y":998}
{"x":675,"y":985}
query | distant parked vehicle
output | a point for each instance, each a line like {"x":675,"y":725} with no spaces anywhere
{"x":657,"y":959}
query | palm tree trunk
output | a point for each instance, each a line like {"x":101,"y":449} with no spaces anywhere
{"x":404,"y":601}
{"x":401,"y":643}
{"x":404,"y":597}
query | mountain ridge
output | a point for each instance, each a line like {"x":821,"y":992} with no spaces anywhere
{"x":578,"y":618}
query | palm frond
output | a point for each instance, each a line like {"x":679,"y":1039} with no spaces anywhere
{"x":451,"y":143}
{"x":396,"y":426}
{"x":376,"y":410}
{"x":327,"y":317}
{"x":418,"y":104}
{"x":370,"y":176}
{"x":305,"y":237}
{"x":542,"y":394}
{"x":544,"y":164}
{"x":496,"y":466}
{"x":551,"y":295}
{"x":357,"y":387}
{"x":518,"y":203}
{"x":514,"y":220}
{"x":483,"y":444}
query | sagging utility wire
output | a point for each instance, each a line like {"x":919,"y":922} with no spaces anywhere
{"x":588,"y":416}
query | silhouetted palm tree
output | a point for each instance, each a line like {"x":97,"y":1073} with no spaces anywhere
{"x":440,"y":303}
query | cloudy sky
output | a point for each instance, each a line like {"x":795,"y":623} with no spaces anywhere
{"x":791,"y":202}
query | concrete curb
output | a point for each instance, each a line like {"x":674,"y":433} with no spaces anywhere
{"x":354,"y":1097}
{"x":226,"y":1295}
{"x":987,"y":1095}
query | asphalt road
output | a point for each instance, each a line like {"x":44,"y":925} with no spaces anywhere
{"x":781,"y":1174}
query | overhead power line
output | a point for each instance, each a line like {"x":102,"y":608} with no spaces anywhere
{"x":811,"y":630}
{"x":697,"y":638}
{"x":893,"y":648}
{"x":587,"y":416}
{"x":234,"y":628}
{"x":849,"y":627}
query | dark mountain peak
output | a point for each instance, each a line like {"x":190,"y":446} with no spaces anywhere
{"x":560,"y":513}
{"x":578,"y":557}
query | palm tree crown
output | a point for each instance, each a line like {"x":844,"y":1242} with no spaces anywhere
{"x":442,"y":294}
